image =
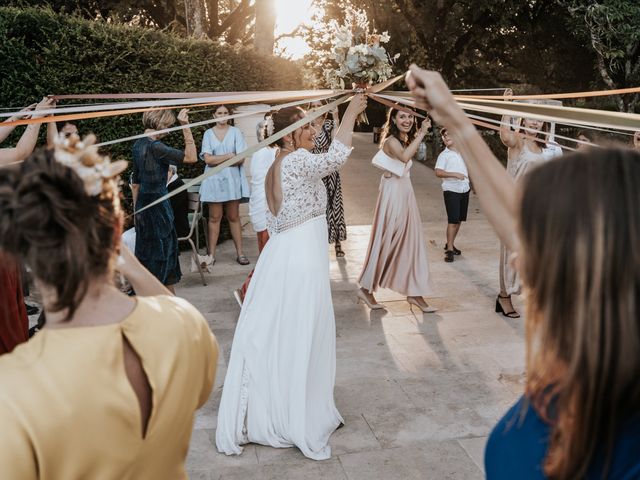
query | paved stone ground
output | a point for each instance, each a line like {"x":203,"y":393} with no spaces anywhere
{"x":419,"y":393}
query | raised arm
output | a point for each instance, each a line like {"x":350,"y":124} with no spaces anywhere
{"x":495,"y":188}
{"x":190,"y":152}
{"x":394,"y":148}
{"x":508,"y":136}
{"x":335,"y":115}
{"x":357,"y":105}
{"x":6,"y":131}
{"x":27,"y":141}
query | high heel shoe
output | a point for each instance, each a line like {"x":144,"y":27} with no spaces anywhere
{"x":500,"y":309}
{"x":363,"y":298}
{"x":427,"y":309}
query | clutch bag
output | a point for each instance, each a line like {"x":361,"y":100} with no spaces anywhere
{"x":384,"y":162}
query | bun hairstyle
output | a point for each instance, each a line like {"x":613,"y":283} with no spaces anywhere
{"x":284,"y":118}
{"x":390,"y":129}
{"x":66,"y":235}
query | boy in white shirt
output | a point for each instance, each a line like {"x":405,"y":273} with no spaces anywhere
{"x":455,"y":186}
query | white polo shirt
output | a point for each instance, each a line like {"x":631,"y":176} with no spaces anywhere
{"x":452,"y":162}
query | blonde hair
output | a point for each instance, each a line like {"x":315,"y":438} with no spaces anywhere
{"x":580,"y":231}
{"x":158,"y":119}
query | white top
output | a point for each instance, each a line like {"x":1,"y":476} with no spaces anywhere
{"x":452,"y":162}
{"x":304,"y":195}
{"x":260,"y":163}
{"x":551,"y":150}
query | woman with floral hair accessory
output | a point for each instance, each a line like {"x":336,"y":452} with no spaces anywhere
{"x":93,"y":385}
{"x":278,"y":389}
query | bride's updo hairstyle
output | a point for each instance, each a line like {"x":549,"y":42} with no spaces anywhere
{"x":580,"y":263}
{"x":390,"y":129}
{"x":63,"y":221}
{"x":284,"y":118}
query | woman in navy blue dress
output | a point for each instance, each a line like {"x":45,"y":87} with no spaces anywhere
{"x":156,"y":238}
{"x":574,"y":225}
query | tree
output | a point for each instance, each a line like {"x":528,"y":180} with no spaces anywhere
{"x":195,"y":17}
{"x":264,"y":37}
{"x":231,"y":21}
{"x":612,"y":27}
{"x":474,"y":43}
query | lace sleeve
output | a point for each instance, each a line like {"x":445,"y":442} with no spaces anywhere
{"x":320,"y":165}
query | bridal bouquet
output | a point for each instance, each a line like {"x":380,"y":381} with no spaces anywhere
{"x":358,"y":54}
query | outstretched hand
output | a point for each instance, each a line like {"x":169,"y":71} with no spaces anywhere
{"x":46,"y":103}
{"x":357,"y":105}
{"x":432,"y":94}
{"x":23,"y":114}
{"x":183,"y":116}
{"x":426,"y":125}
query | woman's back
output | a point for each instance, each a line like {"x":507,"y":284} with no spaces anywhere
{"x":68,"y":410}
{"x":303,"y":195}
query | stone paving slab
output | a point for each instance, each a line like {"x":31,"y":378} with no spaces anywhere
{"x":419,"y":393}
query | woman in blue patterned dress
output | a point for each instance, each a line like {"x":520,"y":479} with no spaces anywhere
{"x":226,"y":189}
{"x":156,"y":238}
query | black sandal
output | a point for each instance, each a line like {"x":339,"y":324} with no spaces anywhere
{"x":243,"y":260}
{"x":500,"y":309}
{"x":339,"y":251}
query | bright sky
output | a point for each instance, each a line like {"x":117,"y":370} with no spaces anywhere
{"x":290,"y":14}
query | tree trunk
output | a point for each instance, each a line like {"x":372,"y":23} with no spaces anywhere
{"x":194,"y":13}
{"x":264,"y":38}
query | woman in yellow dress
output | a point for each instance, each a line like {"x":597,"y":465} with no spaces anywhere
{"x":108,"y":389}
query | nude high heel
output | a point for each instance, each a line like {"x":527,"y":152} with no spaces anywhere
{"x":427,"y":309}
{"x":364,"y":299}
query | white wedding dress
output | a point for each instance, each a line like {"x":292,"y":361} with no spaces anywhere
{"x":278,"y":390}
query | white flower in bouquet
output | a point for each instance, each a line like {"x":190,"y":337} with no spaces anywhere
{"x":357,"y":52}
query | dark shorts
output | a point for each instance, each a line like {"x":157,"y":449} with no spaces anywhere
{"x":457,"y":205}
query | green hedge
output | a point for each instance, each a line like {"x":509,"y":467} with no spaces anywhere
{"x":47,"y":53}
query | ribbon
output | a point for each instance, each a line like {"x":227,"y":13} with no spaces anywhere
{"x":86,"y":112}
{"x":251,"y":150}
{"x":583,"y":116}
{"x":213,"y":120}
{"x":545,"y":96}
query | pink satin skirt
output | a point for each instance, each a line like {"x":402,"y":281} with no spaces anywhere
{"x":397,"y":254}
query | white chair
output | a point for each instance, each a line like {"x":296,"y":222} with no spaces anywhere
{"x":195,"y":215}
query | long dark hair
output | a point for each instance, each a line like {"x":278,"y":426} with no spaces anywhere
{"x":580,"y":231}
{"x":66,"y":236}
{"x":390,"y":129}
{"x":283,"y":118}
{"x":229,"y":108}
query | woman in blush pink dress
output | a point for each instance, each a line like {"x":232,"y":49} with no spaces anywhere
{"x":397,"y":255}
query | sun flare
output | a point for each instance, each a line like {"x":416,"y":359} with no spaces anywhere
{"x":289,"y":15}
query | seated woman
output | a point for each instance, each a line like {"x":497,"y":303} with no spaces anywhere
{"x":109,"y":387}
{"x":574,"y":225}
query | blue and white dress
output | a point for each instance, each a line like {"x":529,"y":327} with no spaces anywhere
{"x":231,"y":182}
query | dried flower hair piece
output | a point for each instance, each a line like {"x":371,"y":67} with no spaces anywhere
{"x":82,"y":156}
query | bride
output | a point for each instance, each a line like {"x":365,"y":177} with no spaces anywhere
{"x":278,"y":390}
